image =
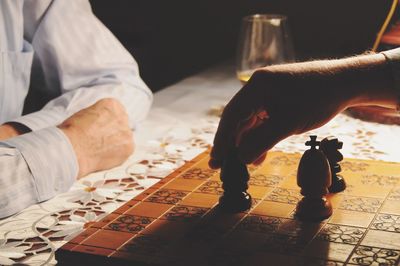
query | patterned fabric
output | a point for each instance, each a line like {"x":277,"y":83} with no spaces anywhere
{"x":71,"y":61}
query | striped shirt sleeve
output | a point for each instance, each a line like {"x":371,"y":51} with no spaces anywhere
{"x":35,"y":167}
{"x":82,"y":61}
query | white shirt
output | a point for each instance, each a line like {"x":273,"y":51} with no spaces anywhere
{"x":72,"y":59}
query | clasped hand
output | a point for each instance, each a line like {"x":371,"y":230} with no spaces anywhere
{"x":100,"y":136}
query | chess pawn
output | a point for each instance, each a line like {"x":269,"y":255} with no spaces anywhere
{"x":331,"y":147}
{"x":234,"y":176}
{"x":314,"y":178}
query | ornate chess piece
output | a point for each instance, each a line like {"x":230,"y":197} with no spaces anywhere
{"x":234,"y":175}
{"x":314,"y":178}
{"x":331,"y":147}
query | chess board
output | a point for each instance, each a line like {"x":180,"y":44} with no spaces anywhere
{"x":177,"y":222}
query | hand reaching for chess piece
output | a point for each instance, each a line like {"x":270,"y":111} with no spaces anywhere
{"x":314,"y":179}
{"x":295,"y":98}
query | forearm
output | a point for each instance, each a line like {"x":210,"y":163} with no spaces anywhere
{"x":360,"y":80}
{"x":369,"y":80}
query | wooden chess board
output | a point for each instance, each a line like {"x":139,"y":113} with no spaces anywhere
{"x":176,"y":221}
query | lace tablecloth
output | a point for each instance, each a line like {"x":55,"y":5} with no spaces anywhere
{"x":181,"y":124}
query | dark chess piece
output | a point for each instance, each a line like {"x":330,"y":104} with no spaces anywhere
{"x":314,"y":178}
{"x":331,"y":147}
{"x":234,"y":175}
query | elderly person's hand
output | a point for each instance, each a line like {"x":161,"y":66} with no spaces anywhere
{"x":279,"y":101}
{"x":100,"y":136}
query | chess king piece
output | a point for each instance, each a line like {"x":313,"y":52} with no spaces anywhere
{"x":314,"y":178}
{"x":331,"y":147}
{"x":234,"y":176}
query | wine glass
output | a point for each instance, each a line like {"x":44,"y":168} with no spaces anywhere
{"x":264,"y":40}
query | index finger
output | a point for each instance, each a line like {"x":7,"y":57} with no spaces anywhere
{"x":241,"y":108}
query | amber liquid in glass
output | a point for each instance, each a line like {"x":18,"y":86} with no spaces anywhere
{"x":243,"y":77}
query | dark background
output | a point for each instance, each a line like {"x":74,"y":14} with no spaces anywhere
{"x":171,"y":39}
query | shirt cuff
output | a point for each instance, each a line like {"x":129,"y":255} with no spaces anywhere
{"x":50,"y":158}
{"x":393,"y":57}
{"x":41,"y":119}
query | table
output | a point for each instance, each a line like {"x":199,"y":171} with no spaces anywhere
{"x":181,"y":124}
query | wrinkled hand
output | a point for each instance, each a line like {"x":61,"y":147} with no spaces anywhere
{"x":271,"y":107}
{"x":100,"y":136}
